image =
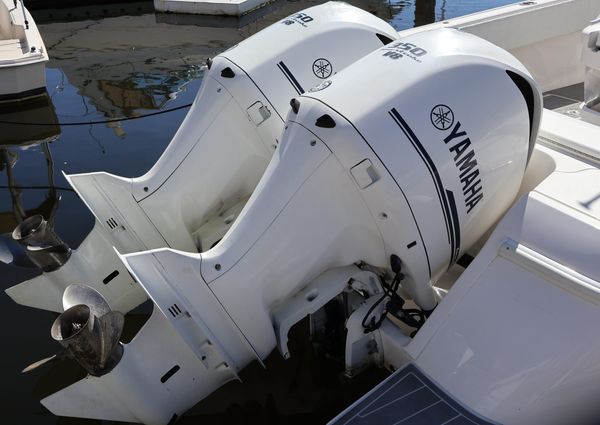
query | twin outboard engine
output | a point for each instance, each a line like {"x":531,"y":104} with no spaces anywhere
{"x":192,"y":195}
{"x":411,"y":153}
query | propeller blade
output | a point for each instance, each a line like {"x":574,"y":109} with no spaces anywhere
{"x":81,"y":294}
{"x":39,"y":363}
{"x":111,"y":325}
{"x":56,"y":357}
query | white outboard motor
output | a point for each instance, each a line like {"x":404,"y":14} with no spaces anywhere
{"x":414,"y":151}
{"x":191,"y":196}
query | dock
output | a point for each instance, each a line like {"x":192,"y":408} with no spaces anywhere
{"x":209,"y":7}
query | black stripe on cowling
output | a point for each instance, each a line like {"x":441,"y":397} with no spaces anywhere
{"x":288,"y":74}
{"x":455,"y":226}
{"x":437,"y":181}
{"x":410,"y":209}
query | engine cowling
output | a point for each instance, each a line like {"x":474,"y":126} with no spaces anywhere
{"x":249,"y":88}
{"x":435,"y":134}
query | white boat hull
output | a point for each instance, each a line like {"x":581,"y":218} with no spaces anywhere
{"x":22,"y":54}
{"x":22,"y":81}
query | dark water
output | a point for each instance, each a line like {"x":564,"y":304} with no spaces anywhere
{"x":115,"y":61}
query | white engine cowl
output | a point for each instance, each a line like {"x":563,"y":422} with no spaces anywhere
{"x":259,"y":77}
{"x":436,"y":139}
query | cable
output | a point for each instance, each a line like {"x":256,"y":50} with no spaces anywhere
{"x":388,"y":291}
{"x":102,"y":121}
{"x":38,"y":187}
{"x":412,"y":317}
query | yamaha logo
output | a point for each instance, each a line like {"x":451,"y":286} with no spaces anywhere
{"x":442,"y":117}
{"x":322,"y":68}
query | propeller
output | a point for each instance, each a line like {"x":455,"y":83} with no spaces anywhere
{"x":88,"y":330}
{"x":41,"y":244}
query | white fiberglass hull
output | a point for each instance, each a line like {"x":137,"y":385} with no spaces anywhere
{"x":22,"y":81}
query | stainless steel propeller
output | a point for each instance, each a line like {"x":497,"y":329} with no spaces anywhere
{"x":41,"y":244}
{"x":88,"y":330}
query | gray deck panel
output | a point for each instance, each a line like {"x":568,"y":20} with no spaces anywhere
{"x":564,"y":96}
{"x":407,"y":397}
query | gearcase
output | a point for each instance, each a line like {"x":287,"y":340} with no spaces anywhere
{"x":189,"y":199}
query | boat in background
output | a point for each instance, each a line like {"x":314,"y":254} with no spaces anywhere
{"x":22,"y":53}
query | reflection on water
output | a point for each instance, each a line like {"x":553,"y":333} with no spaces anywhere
{"x":114,"y":61}
{"x":39,"y":109}
{"x":424,"y":12}
{"x":16,"y":139}
{"x":134,"y":91}
{"x":141,"y":91}
{"x":44,"y":11}
{"x":8,"y":161}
